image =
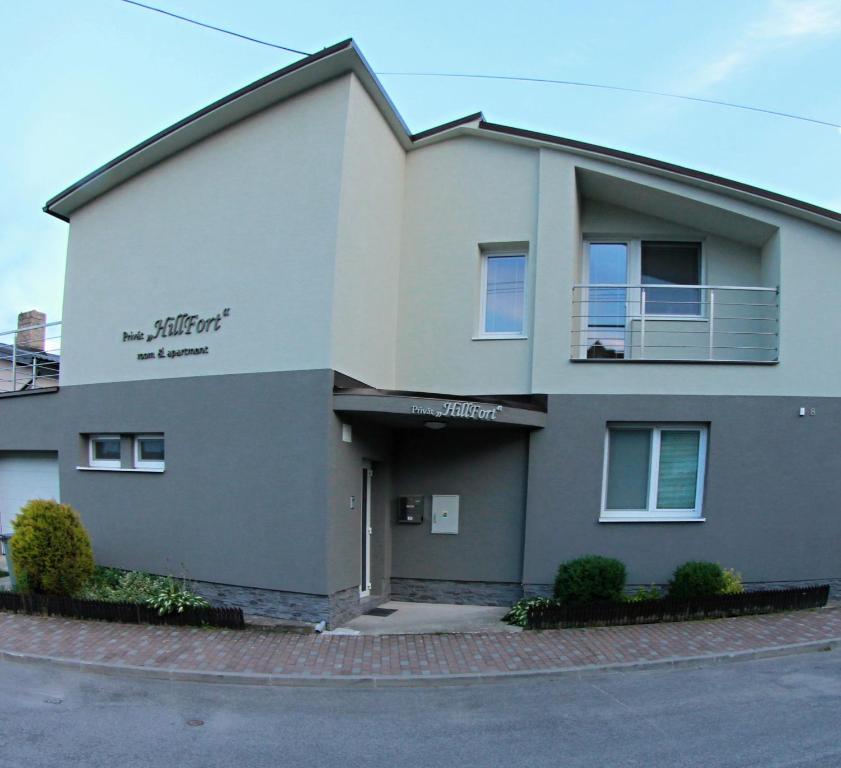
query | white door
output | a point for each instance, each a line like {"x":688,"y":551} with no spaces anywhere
{"x":365,"y":575}
{"x":25,"y":476}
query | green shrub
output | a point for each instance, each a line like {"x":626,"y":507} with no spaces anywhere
{"x":732,"y":582}
{"x":697,"y":579}
{"x":172,"y":597}
{"x":115,"y":586}
{"x":51,"y":551}
{"x":519,"y":612}
{"x":644,"y":593}
{"x":589,"y":579}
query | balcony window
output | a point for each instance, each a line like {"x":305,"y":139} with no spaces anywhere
{"x":665,"y":266}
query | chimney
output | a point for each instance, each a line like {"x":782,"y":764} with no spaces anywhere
{"x":33,"y":339}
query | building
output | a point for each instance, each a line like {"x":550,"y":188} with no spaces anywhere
{"x":25,"y":362}
{"x":314,"y":361}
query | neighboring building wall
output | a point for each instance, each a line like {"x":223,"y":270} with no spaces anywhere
{"x":21,"y":378}
{"x":770,"y":503}
{"x":246,"y":220}
{"x":368,"y":246}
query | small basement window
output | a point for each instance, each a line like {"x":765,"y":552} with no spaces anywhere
{"x":104,"y":451}
{"x":149,"y":452}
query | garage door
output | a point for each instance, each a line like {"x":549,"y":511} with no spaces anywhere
{"x":25,"y":476}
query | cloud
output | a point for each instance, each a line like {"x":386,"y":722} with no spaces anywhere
{"x":796,"y":19}
{"x":784,"y":23}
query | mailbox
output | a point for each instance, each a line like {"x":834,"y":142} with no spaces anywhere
{"x":410,"y":510}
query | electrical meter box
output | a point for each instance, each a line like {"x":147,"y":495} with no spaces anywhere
{"x":410,"y":510}
{"x":445,"y":514}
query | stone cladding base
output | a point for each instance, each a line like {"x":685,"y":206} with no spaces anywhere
{"x":457,"y":592}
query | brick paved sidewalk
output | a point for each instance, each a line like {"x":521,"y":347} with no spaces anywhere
{"x":250,"y":653}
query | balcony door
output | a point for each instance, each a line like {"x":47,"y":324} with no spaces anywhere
{"x":606,"y":305}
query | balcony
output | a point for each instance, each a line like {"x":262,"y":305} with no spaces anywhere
{"x":30,"y":358}
{"x":675,"y":323}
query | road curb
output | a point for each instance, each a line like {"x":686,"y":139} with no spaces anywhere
{"x":386,"y":681}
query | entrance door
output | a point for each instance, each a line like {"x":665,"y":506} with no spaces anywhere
{"x":365,"y":508}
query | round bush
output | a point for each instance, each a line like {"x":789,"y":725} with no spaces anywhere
{"x":51,"y":551}
{"x":697,"y":579}
{"x":590,"y":579}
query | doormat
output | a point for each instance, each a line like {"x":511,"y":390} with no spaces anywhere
{"x":381,"y":612}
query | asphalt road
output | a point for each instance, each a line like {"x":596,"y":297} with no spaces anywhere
{"x":769,"y":713}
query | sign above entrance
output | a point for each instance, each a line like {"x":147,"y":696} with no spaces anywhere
{"x":460,"y":410}
{"x":413,"y":410}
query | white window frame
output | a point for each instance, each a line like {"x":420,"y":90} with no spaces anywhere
{"x":103,"y":463}
{"x":486,"y":254}
{"x":148,"y":463}
{"x":652,"y":514}
{"x":634,"y":272}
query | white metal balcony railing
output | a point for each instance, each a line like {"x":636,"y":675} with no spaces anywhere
{"x":719,"y":323}
{"x":30,"y":358}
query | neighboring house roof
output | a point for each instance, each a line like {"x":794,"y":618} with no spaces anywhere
{"x":341,"y":59}
{"x":25,"y":356}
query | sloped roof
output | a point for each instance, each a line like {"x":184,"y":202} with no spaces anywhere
{"x":344,"y":58}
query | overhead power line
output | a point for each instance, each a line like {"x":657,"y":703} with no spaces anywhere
{"x":215,"y":29}
{"x":511,"y":78}
{"x":578,"y":84}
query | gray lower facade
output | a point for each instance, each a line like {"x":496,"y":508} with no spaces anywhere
{"x":262,"y":503}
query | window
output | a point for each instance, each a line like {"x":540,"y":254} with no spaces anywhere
{"x":654,"y":473}
{"x":503,"y":295}
{"x":671,"y":264}
{"x":149,"y":452}
{"x":104,"y":451}
{"x":663,"y":265}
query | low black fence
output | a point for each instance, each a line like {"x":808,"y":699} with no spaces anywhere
{"x":555,"y":616}
{"x":129,"y":613}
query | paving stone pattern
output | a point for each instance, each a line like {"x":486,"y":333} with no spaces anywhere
{"x":338,"y":656}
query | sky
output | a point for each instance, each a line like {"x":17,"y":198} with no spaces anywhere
{"x":84,"y":80}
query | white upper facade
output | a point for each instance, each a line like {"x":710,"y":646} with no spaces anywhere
{"x":297,"y":225}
